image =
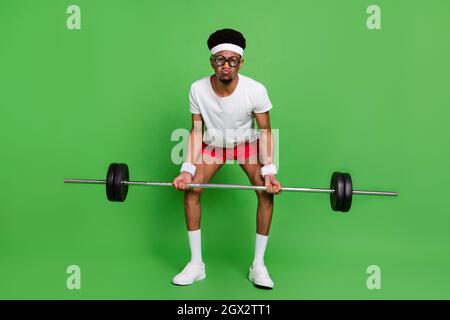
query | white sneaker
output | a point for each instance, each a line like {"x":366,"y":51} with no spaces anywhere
{"x":192,"y":272}
{"x":260,"y":276}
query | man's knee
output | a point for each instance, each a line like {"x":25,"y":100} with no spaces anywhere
{"x":192,"y":197}
{"x":265,"y":199}
{"x":257,"y":179}
{"x":194,"y":194}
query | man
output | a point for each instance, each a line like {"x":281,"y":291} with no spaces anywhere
{"x":227,"y":104}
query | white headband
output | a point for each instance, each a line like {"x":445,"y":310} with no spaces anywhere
{"x":227,"y":46}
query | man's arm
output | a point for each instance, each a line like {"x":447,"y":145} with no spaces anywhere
{"x":266,"y":148}
{"x":265,"y":140}
{"x":194,"y":147}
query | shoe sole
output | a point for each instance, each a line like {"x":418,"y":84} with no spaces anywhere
{"x":188,"y":284}
{"x":262,"y":286}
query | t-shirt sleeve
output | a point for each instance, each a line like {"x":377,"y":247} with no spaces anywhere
{"x":193,"y":103}
{"x":262,"y":102}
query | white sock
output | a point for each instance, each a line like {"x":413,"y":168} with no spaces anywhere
{"x":195,"y":242}
{"x":260,"y":248}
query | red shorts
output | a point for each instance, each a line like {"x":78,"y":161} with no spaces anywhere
{"x":240,"y":152}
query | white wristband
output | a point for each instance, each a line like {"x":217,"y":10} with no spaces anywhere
{"x":268,"y":169}
{"x":188,"y":167}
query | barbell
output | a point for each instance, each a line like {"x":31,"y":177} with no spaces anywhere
{"x":341,"y":187}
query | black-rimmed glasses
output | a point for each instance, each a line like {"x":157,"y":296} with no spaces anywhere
{"x":232,"y":61}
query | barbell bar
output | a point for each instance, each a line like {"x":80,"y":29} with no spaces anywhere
{"x":341,"y":187}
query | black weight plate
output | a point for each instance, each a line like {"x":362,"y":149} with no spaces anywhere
{"x":340,"y":192}
{"x":120,"y":189}
{"x":333,"y":194}
{"x":110,"y":181}
{"x":348,"y":192}
{"x":337,"y":197}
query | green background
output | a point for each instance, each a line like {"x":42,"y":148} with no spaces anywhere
{"x":370,"y":102}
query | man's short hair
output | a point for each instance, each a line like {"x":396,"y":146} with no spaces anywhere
{"x":226,"y":36}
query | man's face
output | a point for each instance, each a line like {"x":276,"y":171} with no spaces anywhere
{"x":226,"y":72}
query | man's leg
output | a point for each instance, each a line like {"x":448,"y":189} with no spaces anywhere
{"x":204,"y":172}
{"x":265,"y":199}
{"x":258,"y":272}
{"x":195,"y":269}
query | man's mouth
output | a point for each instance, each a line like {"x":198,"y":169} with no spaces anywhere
{"x":226,"y":71}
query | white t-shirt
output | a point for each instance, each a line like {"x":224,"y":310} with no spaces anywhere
{"x":229,"y":120}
